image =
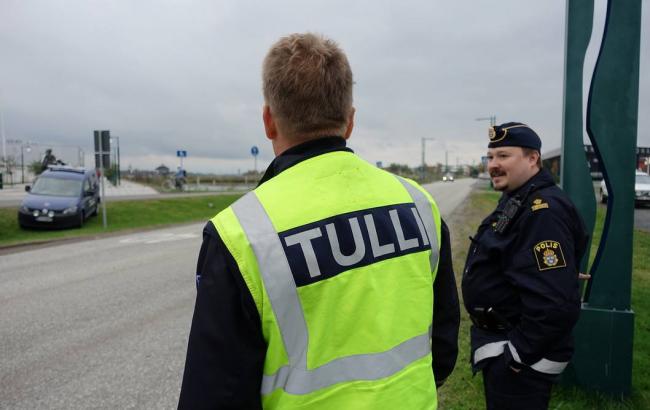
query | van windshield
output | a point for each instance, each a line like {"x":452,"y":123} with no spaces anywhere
{"x":57,"y":187}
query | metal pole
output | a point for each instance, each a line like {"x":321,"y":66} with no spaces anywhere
{"x":22,"y":163}
{"x":422,"y":169}
{"x":491,"y":118}
{"x":4,"y":141}
{"x":119,"y":173}
{"x":103,"y":191}
{"x":423,"y":162}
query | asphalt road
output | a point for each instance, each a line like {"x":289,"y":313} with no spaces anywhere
{"x":449,"y":195}
{"x":642,"y":218}
{"x":97,"y":324}
{"x":104,"y":323}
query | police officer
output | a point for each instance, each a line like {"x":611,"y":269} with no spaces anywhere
{"x":520,"y":283}
{"x":330,"y":285}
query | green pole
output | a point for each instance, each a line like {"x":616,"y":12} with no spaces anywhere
{"x":604,"y":334}
{"x":575,"y":177}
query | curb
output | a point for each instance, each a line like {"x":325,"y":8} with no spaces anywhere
{"x":28,"y":246}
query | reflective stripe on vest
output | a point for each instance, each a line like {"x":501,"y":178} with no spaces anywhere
{"x":275,"y":271}
{"x":424,"y":209}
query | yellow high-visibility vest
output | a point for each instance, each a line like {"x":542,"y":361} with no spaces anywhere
{"x":340,"y":258}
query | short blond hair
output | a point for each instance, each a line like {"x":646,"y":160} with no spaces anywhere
{"x":307,"y":84}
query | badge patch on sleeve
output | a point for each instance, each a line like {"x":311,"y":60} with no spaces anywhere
{"x":549,"y":255}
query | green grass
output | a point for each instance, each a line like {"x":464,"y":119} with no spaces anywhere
{"x":463,"y":391}
{"x":123,"y":215}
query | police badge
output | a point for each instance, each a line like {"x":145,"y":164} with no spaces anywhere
{"x":549,"y":255}
{"x":492,"y":133}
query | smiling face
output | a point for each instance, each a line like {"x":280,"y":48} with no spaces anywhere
{"x":510,"y":167}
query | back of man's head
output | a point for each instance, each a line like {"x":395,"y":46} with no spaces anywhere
{"x":307,"y":84}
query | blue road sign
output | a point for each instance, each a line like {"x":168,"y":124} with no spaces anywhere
{"x":181,"y":153}
{"x":255,"y":150}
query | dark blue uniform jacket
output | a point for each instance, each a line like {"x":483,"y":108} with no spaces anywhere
{"x":521,"y":286}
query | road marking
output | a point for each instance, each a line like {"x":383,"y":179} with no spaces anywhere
{"x":159,"y":237}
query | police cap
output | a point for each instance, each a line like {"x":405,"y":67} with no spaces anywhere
{"x":514,"y":134}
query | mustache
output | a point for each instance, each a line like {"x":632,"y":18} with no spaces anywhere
{"x":496,"y":173}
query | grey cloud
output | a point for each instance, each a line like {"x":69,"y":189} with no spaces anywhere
{"x":165,"y":75}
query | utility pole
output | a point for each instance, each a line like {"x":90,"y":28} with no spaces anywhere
{"x":423,"y":163}
{"x":116,"y":155}
{"x":119,"y":171}
{"x":22,"y":164}
{"x":4,"y":142}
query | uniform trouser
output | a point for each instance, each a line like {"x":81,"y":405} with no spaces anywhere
{"x":505,"y":389}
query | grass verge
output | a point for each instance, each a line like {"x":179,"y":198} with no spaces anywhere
{"x":463,"y":391}
{"x":121,"y":216}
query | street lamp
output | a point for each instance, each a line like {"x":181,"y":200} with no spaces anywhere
{"x":24,"y":145}
{"x":117,"y":158}
{"x":491,"y":118}
{"x":423,"y":164}
{"x":28,"y":148}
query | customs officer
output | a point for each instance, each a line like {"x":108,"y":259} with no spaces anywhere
{"x":330,"y":285}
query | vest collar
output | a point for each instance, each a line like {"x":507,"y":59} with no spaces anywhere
{"x":301,"y":152}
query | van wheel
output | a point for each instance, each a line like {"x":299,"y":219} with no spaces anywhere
{"x":81,"y":219}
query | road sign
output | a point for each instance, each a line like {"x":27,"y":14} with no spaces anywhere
{"x":254,"y":151}
{"x":102,"y":144}
{"x":181,"y":153}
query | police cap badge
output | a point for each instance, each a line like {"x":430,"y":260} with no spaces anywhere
{"x":514,"y":134}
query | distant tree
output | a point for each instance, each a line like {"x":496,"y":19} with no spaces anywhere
{"x":400,"y":169}
{"x":35,"y":167}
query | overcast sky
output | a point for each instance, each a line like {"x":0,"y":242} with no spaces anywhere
{"x":166,"y":75}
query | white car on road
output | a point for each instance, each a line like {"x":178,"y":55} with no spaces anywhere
{"x":641,"y":189}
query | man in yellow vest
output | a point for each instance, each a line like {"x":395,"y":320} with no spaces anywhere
{"x":329,"y":286}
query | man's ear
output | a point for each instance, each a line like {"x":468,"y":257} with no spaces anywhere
{"x":538,"y":155}
{"x":534,"y":156}
{"x":270,"y":127}
{"x":348,"y":130}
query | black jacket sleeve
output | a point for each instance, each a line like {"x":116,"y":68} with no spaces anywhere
{"x":226,"y":349}
{"x":446,"y":313}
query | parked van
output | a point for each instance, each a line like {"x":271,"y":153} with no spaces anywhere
{"x":61,"y":197}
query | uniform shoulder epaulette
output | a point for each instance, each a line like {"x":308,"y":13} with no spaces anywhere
{"x":538,"y":203}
